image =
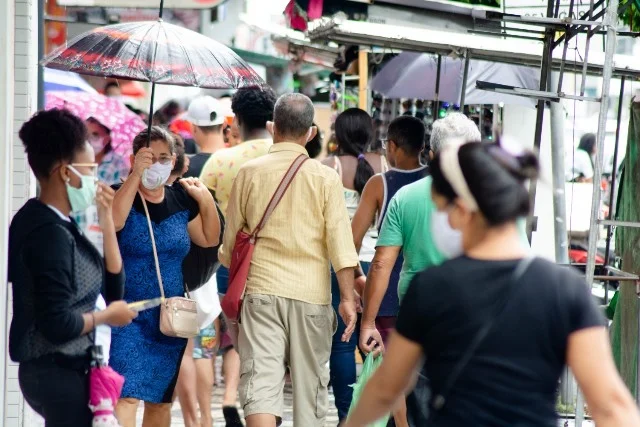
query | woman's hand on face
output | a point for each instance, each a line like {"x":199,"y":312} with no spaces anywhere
{"x":118,"y":313}
{"x":104,"y":204}
{"x":196,"y":189}
{"x":143,"y":160}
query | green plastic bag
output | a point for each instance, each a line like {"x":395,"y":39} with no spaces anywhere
{"x":371,"y":363}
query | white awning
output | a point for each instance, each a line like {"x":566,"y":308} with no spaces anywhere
{"x":289,"y":41}
{"x":496,"y":49}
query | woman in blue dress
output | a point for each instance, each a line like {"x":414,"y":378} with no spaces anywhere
{"x":180,"y":214}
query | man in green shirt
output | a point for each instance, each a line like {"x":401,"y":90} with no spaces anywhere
{"x":407,"y":227}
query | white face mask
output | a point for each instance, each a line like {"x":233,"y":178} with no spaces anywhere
{"x":97,"y":144}
{"x":156,"y":176}
{"x":447,"y":240}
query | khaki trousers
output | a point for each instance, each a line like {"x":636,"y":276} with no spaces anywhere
{"x":276,"y":333}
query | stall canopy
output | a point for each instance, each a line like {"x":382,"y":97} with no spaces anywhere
{"x":488,"y":48}
{"x":413,"y":75}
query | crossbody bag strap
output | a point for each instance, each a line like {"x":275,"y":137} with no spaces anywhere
{"x":153,"y":243}
{"x":279,"y":193}
{"x":440,"y":399}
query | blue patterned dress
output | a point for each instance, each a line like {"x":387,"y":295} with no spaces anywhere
{"x":149,"y":360}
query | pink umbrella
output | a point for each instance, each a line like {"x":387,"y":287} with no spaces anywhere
{"x":123,"y":123}
{"x":105,"y":386}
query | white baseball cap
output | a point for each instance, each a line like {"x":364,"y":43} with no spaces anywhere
{"x":206,"y":111}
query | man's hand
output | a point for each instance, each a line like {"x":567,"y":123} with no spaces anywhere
{"x":370,"y":340}
{"x":347,"y":311}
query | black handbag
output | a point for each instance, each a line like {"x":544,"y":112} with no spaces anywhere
{"x":201,"y":263}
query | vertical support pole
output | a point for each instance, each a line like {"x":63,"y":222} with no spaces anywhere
{"x":42,"y":9}
{"x":558,"y":179}
{"x":545,"y":68}
{"x":568,"y":387}
{"x":363,"y":82}
{"x":344,"y":91}
{"x":610,"y":20}
{"x":612,"y":190}
{"x":436,"y":105}
{"x":465,"y":75}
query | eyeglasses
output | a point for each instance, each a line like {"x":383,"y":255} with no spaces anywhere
{"x":91,"y":169}
{"x":164,"y":160}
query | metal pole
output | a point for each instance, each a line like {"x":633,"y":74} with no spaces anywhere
{"x":537,"y":141}
{"x":612,"y":190}
{"x":568,"y":387}
{"x":609,"y":22}
{"x":436,"y":104}
{"x":463,"y":92}
{"x":558,"y":179}
{"x":41,"y":42}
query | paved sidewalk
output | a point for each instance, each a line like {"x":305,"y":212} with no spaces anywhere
{"x":216,"y":407}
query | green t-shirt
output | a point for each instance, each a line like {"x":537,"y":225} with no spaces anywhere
{"x":407,"y":224}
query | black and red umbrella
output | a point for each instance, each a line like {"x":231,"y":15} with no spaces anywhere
{"x":156,"y":52}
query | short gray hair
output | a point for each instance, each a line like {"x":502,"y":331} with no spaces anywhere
{"x":293,"y":115}
{"x":453,"y":126}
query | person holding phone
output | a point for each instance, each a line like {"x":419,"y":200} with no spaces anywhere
{"x":57,"y":273}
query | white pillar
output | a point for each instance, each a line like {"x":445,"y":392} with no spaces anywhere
{"x":18,"y":93}
{"x":6,"y":129}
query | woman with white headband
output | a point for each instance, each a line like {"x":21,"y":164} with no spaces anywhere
{"x":495,"y":325}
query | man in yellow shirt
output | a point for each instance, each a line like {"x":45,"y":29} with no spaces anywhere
{"x":253,"y":108}
{"x":287,"y":319}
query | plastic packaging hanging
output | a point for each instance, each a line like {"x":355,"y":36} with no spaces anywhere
{"x":370,"y":365}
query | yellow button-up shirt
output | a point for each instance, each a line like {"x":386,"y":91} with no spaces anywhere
{"x":222,"y":167}
{"x":307,"y":230}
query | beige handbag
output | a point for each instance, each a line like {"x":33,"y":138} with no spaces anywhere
{"x":178,"y":315}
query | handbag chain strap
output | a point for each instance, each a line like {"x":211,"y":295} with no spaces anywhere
{"x":279,"y":193}
{"x":440,"y":398}
{"x":155,"y":251}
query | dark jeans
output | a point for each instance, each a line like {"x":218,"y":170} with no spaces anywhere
{"x":342,"y":362}
{"x":57,"y":388}
{"x":418,"y":401}
{"x":222,"y":278}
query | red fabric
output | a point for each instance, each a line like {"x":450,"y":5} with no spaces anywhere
{"x":314,"y":11}
{"x":579,"y":256}
{"x":296,"y":20}
{"x":238,"y":273}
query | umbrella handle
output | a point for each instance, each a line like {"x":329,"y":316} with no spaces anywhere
{"x":153,"y":95}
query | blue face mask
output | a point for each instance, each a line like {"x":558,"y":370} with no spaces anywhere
{"x":83,"y":197}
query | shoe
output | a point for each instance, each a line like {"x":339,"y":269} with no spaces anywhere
{"x":231,"y":416}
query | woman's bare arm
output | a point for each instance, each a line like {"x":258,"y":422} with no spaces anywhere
{"x":589,"y":357}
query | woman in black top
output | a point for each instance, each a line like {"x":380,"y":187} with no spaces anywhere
{"x":543,"y":319}
{"x":57,"y":274}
